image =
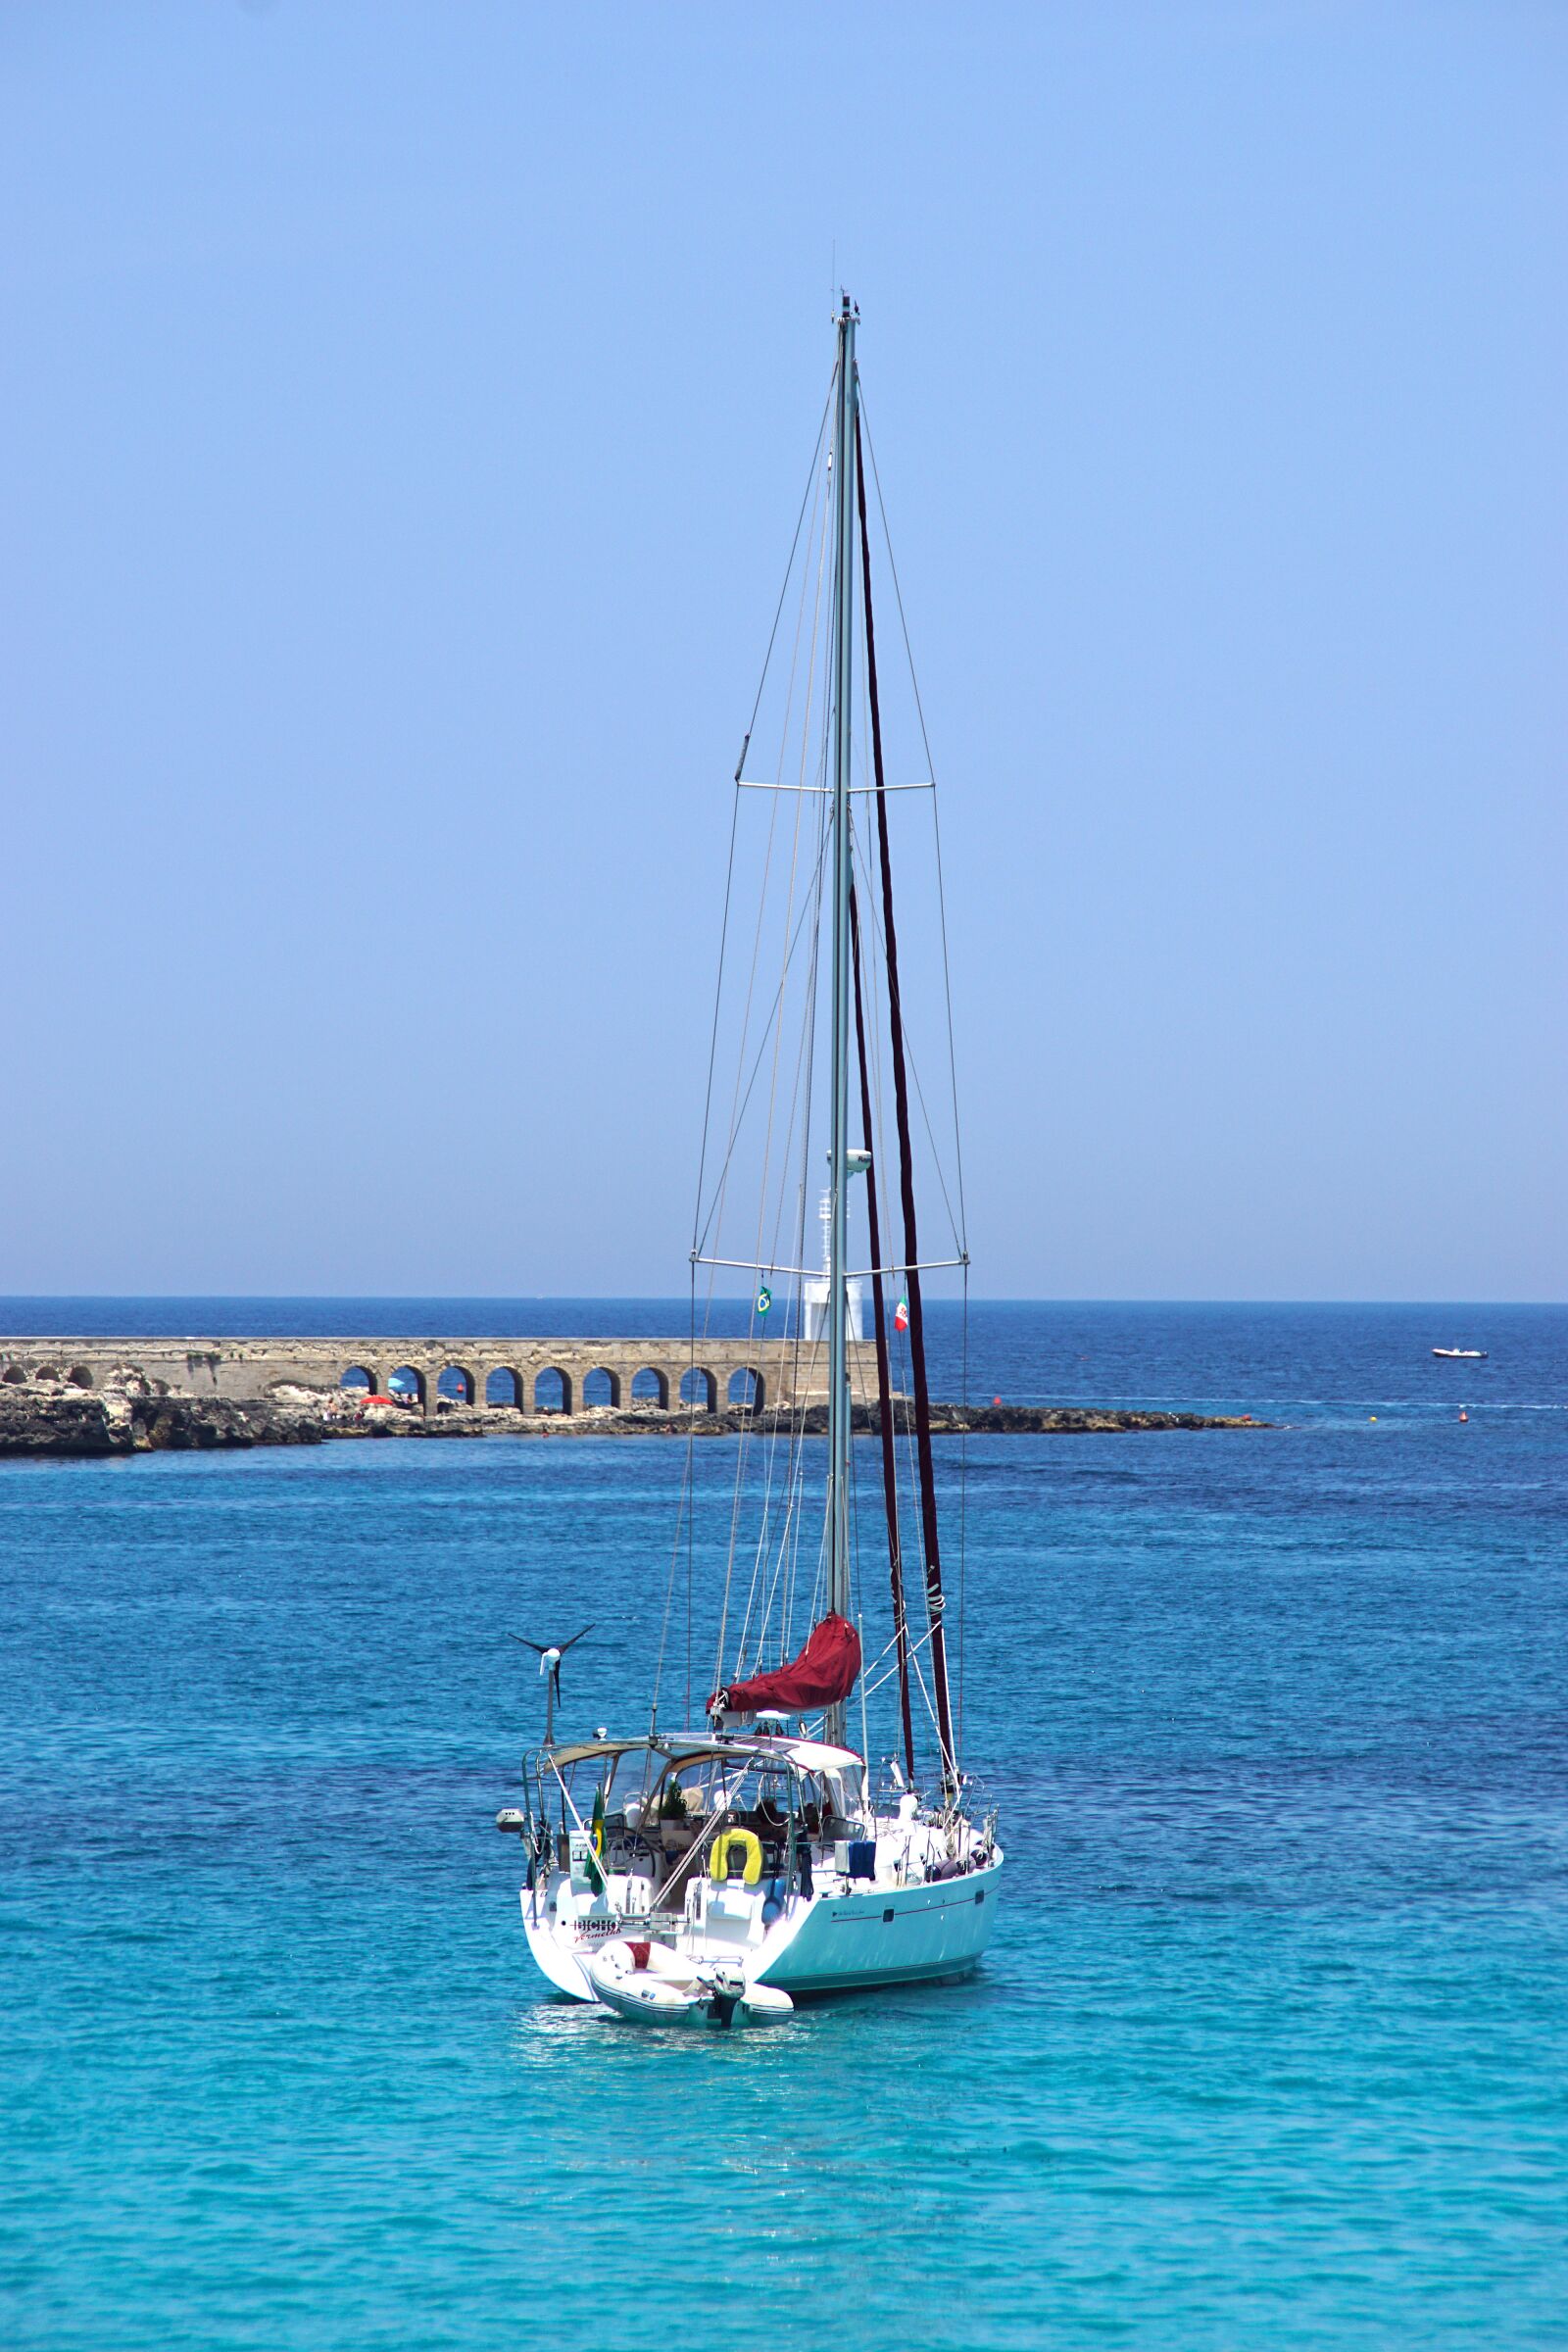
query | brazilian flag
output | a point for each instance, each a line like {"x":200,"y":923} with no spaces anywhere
{"x":596,"y":1843}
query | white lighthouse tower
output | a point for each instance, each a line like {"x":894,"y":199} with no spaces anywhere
{"x":815,"y":1289}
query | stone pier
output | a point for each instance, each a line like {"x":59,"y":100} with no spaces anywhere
{"x":571,"y":1376}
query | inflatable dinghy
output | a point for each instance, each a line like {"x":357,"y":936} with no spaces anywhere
{"x":653,"y":1985}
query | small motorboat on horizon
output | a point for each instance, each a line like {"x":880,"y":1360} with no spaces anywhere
{"x":1469,"y":1355}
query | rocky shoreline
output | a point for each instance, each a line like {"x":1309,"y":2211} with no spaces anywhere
{"x":74,"y":1425}
{"x":48,"y":1420}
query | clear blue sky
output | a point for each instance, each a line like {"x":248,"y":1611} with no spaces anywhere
{"x":404,"y":410}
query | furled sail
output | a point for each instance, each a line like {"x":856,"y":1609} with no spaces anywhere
{"x":824,"y":1673}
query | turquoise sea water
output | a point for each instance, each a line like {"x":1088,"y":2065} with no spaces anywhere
{"x":1269,"y":2047}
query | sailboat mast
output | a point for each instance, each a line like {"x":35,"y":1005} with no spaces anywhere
{"x":838,"y":1387}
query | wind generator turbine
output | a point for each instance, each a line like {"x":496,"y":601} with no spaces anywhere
{"x":550,"y":1656}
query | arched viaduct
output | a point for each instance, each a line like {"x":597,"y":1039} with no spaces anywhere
{"x":571,"y":1375}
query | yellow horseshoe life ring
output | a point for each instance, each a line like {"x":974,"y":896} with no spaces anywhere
{"x":751,"y":1846}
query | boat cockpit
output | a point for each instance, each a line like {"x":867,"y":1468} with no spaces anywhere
{"x":661,"y":1817}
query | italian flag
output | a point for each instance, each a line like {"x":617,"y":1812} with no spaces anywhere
{"x":900,"y":1315}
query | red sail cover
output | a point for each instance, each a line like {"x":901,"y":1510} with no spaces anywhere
{"x":824,"y":1671}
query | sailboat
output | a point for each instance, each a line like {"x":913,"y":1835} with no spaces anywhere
{"x":714,"y":1875}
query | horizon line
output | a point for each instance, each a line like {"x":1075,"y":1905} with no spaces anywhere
{"x":668,"y":1297}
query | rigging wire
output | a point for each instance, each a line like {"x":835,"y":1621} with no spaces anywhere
{"x":682,"y":1513}
{"x":691,"y":1455}
{"x":760,"y":1565}
{"x":752,"y":1081}
{"x":964,"y":1496}
{"x":931,"y":1545}
{"x":884,"y":1397}
{"x":954,"y":1218}
{"x":813,"y":475}
{"x":936,"y":820}
{"x":777,"y":1029}
{"x":812,"y":481}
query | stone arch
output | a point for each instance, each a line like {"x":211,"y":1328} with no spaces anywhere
{"x":699,"y":1387}
{"x":745,"y":1391}
{"x":504,"y":1386}
{"x":407,"y":1382}
{"x":48,"y":1372}
{"x":359,"y":1379}
{"x":650,"y":1386}
{"x":80,"y":1376}
{"x":552,"y":1390}
{"x":455,"y":1384}
{"x":601,"y":1387}
{"x":15,"y":1376}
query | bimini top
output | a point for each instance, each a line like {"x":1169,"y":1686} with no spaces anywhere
{"x":692,"y":1748}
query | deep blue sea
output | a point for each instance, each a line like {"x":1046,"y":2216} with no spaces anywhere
{"x":1269,"y":2050}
